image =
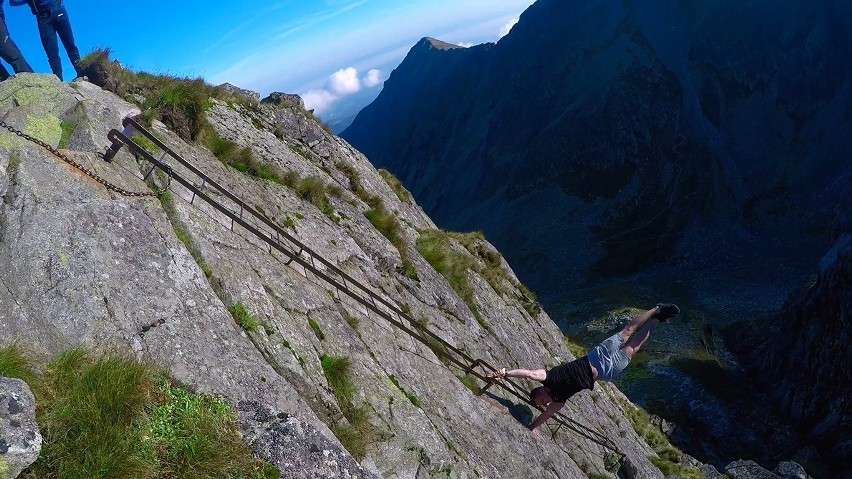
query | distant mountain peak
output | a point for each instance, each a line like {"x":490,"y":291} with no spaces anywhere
{"x":437,"y":44}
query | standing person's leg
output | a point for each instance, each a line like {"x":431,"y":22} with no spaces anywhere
{"x":47,"y":31}
{"x":4,"y":73}
{"x":9,"y":51}
{"x":62,"y":24}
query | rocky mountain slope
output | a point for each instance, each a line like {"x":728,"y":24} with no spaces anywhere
{"x":797,"y":357}
{"x":82,"y":264}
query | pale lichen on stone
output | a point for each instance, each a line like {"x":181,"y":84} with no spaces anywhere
{"x":46,"y":128}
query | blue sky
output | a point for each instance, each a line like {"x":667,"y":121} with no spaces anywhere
{"x":323,"y":47}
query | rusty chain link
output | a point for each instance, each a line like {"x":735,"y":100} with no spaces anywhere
{"x":73,"y":163}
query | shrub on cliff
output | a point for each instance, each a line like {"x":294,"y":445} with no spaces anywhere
{"x":178,"y":102}
{"x":107,"y":415}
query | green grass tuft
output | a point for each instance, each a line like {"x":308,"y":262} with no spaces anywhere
{"x":490,"y":267}
{"x":411,"y":397}
{"x":96,"y":402}
{"x":313,"y":190}
{"x":396,"y":186}
{"x":383,"y":220}
{"x":436,"y":249}
{"x":356,"y":433}
{"x":336,"y":372}
{"x":13,"y":364}
{"x":243,"y":317}
{"x":108,"y":416}
{"x":178,"y":102}
{"x":243,"y":160}
{"x":195,"y":436}
{"x":668,"y":459}
{"x":351,"y":320}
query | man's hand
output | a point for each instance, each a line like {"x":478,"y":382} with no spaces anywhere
{"x":499,"y":374}
{"x":534,"y":431}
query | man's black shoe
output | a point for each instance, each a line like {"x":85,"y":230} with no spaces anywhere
{"x":666,"y":312}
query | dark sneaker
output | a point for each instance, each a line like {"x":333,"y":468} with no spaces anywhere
{"x":666,"y":312}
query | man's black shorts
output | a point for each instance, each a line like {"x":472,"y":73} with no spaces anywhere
{"x":568,"y":379}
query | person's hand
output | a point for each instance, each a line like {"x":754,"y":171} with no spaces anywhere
{"x":499,"y":374}
{"x":534,"y":432}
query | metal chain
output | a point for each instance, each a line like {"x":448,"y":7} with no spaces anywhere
{"x":73,"y":163}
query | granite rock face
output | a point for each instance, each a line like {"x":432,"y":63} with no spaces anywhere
{"x":283,"y":100}
{"x":83,"y":265}
{"x":794,"y":355}
{"x":20,"y":439}
{"x":296,"y":448}
{"x":750,"y":470}
{"x":249,"y":95}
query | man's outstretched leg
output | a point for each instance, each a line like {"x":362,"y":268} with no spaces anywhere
{"x":641,"y":326}
{"x":661,"y":312}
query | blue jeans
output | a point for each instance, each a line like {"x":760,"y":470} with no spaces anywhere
{"x":10,"y":53}
{"x":49,"y":26}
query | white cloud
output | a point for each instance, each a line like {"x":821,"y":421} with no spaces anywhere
{"x":339,"y":84}
{"x":373,"y":78}
{"x":507,"y":27}
{"x":318,"y":100}
{"x":465,"y":44}
{"x":343,"y":82}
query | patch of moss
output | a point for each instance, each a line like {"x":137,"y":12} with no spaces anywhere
{"x":411,"y":397}
{"x":315,"y":327}
{"x":470,"y":382}
{"x":33,"y":91}
{"x":68,"y":128}
{"x":577,"y":349}
{"x":145,"y":143}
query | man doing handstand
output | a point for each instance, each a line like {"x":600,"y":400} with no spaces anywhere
{"x":602,"y":363}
